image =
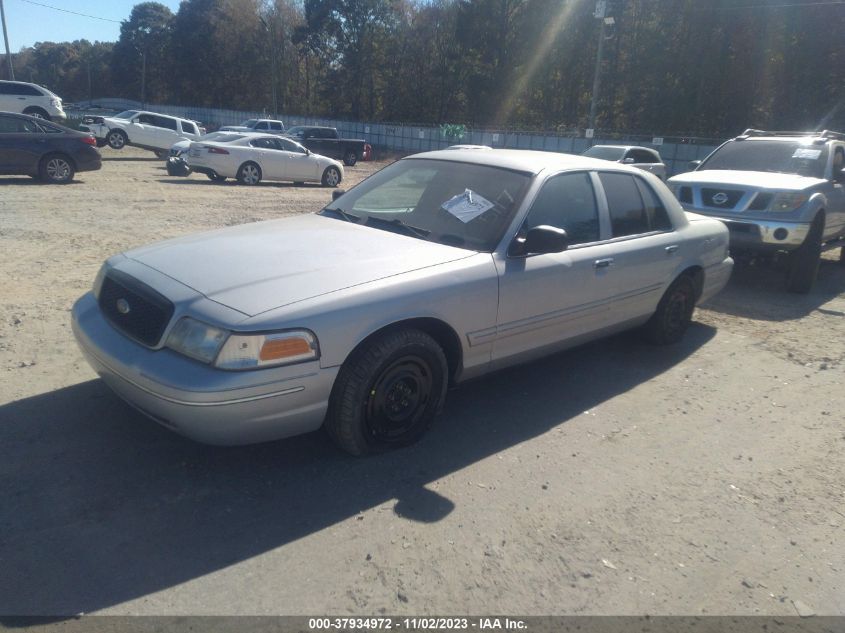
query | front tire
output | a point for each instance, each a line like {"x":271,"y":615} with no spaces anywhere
{"x":117,"y":139}
{"x":249,"y":174}
{"x":804,"y":261}
{"x":673,"y":316}
{"x":57,"y":169}
{"x":331,"y":177}
{"x":387,"y":392}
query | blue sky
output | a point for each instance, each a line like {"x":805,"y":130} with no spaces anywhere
{"x":29,"y":23}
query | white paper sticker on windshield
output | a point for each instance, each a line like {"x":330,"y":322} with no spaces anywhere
{"x":467,"y":206}
{"x":803,"y":152}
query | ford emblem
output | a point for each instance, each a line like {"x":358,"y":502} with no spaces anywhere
{"x":123,"y":306}
{"x":720,"y":198}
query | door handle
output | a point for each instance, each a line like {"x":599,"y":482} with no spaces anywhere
{"x":603,"y":263}
{"x":671,"y":249}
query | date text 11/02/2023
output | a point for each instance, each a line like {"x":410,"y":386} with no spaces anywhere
{"x":416,"y":624}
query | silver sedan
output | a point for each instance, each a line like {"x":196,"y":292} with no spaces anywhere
{"x":441,"y":267}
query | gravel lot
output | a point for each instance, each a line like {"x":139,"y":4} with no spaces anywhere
{"x":617,"y":478}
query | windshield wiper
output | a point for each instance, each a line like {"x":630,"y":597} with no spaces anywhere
{"x":408,"y":229}
{"x":343,"y":215}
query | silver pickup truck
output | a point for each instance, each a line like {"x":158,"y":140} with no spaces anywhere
{"x":778,"y":192}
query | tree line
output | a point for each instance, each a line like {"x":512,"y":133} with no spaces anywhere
{"x":674,"y":67}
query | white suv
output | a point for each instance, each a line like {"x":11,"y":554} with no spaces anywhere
{"x":32,"y":99}
{"x":148,"y":130}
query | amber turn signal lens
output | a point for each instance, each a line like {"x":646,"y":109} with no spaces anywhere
{"x":284,"y":348}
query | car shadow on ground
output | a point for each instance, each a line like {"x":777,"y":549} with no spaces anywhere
{"x":759,"y":292}
{"x":37,"y":181}
{"x":133,"y":159}
{"x":231,"y":182}
{"x":101,"y":505}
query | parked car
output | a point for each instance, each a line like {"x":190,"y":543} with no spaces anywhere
{"x":441,"y":267}
{"x":266,"y":126}
{"x":147,"y":130}
{"x":32,"y":99}
{"x":32,"y":146}
{"x":326,"y":141}
{"x":778,"y":192}
{"x":177,"y":161}
{"x":256,"y":157}
{"x":640,"y":157}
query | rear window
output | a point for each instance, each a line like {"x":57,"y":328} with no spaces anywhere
{"x":10,"y":88}
{"x":605,"y":153}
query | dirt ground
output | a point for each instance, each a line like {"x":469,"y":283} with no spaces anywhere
{"x":617,"y":478}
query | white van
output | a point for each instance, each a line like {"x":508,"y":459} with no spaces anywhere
{"x":32,"y":99}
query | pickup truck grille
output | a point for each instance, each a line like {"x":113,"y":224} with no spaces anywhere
{"x":135,"y":309}
{"x":721,"y":198}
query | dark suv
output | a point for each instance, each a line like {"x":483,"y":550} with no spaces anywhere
{"x":778,"y":192}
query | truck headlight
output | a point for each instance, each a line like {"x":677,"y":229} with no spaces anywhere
{"x":252,"y":351}
{"x":785,"y":202}
{"x":196,"y":339}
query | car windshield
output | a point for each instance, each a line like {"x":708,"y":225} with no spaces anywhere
{"x":784,"y":157}
{"x":126,"y":114}
{"x":605,"y":153}
{"x":249,"y":122}
{"x":296,"y":130}
{"x":449,"y":202}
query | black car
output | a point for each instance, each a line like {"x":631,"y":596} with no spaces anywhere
{"x":37,"y":148}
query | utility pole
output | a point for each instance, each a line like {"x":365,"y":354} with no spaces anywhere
{"x":272,"y":33}
{"x":601,"y":13}
{"x":6,"y":40}
{"x":144,"y":77}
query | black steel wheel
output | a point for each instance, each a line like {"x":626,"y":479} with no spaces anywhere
{"x":673,"y":315}
{"x":388,"y":392}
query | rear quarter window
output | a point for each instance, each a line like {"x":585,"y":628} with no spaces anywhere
{"x":627,"y":213}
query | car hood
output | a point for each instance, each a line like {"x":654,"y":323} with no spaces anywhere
{"x":755,"y":179}
{"x":253,"y":268}
{"x":235,"y":128}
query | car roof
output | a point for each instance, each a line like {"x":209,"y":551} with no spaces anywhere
{"x":626,"y":147}
{"x":528,"y":161}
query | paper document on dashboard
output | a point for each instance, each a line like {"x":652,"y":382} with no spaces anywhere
{"x":467,"y":206}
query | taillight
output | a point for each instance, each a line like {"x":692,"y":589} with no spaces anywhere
{"x":217,"y":150}
{"x":89,"y":140}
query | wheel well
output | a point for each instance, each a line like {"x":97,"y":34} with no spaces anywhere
{"x":441,"y":332}
{"x":697,"y":274}
{"x":34,"y":109}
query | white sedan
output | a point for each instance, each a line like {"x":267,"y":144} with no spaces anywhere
{"x":255,"y":157}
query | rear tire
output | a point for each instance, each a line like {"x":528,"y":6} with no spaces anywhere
{"x":215,"y":177}
{"x":350,"y":158}
{"x":117,"y":139}
{"x":804,"y":261}
{"x":673,"y":316}
{"x":249,"y":174}
{"x":331,"y":177}
{"x":38,"y":113}
{"x":387,"y":392}
{"x":161,"y":154}
{"x":57,"y":169}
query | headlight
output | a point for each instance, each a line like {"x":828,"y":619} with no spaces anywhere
{"x":198,"y":340}
{"x":785,"y":202}
{"x":251,"y":351}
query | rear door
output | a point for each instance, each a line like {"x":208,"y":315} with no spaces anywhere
{"x":270,"y":157}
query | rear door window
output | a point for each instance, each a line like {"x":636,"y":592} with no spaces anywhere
{"x":275,"y":125}
{"x":165,"y":122}
{"x":14,"y":125}
{"x":627,"y":212}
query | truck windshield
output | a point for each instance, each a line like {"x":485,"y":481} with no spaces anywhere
{"x":249,"y":123}
{"x":784,"y":157}
{"x":450,"y":202}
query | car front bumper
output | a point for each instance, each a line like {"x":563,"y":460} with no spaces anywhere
{"x":761,"y":235}
{"x":196,"y":400}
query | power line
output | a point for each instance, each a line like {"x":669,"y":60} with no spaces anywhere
{"x":84,"y":15}
{"x":828,"y":3}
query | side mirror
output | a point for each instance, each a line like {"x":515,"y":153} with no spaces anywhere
{"x":539,"y":240}
{"x":628,"y":161}
{"x":337,"y":193}
{"x":693,"y":164}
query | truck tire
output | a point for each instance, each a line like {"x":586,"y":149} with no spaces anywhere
{"x":350,"y":158}
{"x":804,"y":261}
{"x":38,"y":113}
